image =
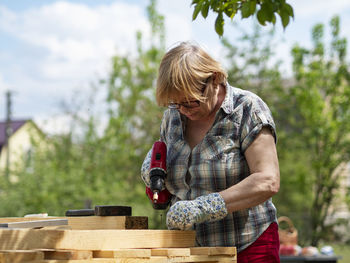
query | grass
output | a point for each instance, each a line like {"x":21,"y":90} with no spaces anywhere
{"x":343,"y":251}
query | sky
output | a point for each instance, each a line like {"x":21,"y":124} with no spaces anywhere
{"x":53,"y":51}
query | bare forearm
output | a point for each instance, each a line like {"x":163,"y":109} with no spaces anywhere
{"x":254,"y":190}
{"x":264,"y":180}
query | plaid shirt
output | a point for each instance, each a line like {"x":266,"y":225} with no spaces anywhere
{"x":217,"y":163}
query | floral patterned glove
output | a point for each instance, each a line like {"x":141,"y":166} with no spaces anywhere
{"x":184,"y":214}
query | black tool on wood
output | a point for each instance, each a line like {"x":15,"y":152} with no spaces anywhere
{"x":112,"y":210}
{"x":80,"y":212}
{"x":102,"y":210}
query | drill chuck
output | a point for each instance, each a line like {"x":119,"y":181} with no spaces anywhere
{"x":157,"y":176}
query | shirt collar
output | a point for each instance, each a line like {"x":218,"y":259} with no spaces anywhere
{"x":227,"y":104}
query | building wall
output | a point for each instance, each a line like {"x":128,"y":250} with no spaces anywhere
{"x":20,"y":145}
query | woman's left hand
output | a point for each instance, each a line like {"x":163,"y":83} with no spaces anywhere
{"x":184,"y":214}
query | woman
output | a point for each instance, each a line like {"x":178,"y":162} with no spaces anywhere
{"x":221,"y":157}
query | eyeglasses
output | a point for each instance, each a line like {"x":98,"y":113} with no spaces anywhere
{"x":189,"y":104}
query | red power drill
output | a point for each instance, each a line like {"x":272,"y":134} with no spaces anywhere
{"x":160,"y":199}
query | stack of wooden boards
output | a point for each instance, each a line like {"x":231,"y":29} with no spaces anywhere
{"x":123,"y":239}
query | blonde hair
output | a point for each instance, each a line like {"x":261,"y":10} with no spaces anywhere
{"x":184,"y":71}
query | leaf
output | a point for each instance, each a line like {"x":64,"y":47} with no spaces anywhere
{"x":196,"y":11}
{"x":284,"y":18}
{"x":273,"y":19}
{"x":248,"y":8}
{"x":219,"y":24}
{"x":261,"y":17}
{"x":285,"y":13}
{"x":245,"y":9}
{"x":267,"y":8}
{"x":205,"y":9}
{"x":252,"y":6}
{"x":289,"y":10}
{"x":228,"y":12}
{"x":231,"y":10}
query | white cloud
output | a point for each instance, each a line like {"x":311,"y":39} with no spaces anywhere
{"x":74,"y":35}
{"x":60,"y":24}
{"x":61,"y":47}
{"x":64,"y":46}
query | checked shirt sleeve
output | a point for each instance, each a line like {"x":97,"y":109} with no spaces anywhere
{"x":256,"y":115}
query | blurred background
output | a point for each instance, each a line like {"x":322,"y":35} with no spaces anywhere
{"x":78,"y":113}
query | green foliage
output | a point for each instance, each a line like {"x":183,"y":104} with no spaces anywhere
{"x":250,"y":67}
{"x":134,"y":116}
{"x":74,"y":172}
{"x":321,"y":95}
{"x":248,"y":64}
{"x":64,"y":174}
{"x":311,"y":112}
{"x":312,"y":120}
{"x":265,"y":11}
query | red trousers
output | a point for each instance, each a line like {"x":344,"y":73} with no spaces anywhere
{"x":264,"y":250}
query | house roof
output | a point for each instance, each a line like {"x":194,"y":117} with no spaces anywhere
{"x":15,"y":124}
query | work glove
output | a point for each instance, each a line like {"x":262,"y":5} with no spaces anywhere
{"x":184,"y":214}
{"x":145,"y":169}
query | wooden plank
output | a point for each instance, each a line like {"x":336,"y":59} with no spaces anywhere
{"x":123,"y":253}
{"x":97,"y":260}
{"x":35,"y":223}
{"x":108,"y":222}
{"x":67,"y":227}
{"x":213,"y":251}
{"x":136,"y":222}
{"x":191,"y":259}
{"x":93,"y":222}
{"x":202,"y":259}
{"x":66,"y":254}
{"x":106,"y":260}
{"x":139,"y":260}
{"x":171,"y":252}
{"x":94,"y":239}
{"x":14,"y":256}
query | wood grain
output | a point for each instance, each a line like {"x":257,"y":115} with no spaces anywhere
{"x":16,"y":256}
{"x":94,"y":239}
{"x":35,"y":223}
{"x":171,"y":252}
{"x":213,"y":251}
{"x":93,"y":222}
{"x":123,"y":253}
{"x":66,"y":254}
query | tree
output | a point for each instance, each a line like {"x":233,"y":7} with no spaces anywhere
{"x":67,"y":172}
{"x":86,"y":167}
{"x":304,"y":109}
{"x":250,"y":67}
{"x":134,"y":117}
{"x":265,"y":11}
{"x":321,"y":95}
